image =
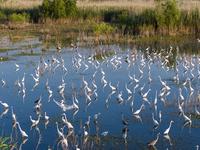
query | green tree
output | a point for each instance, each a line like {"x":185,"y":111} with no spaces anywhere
{"x":45,"y":9}
{"x":58,"y":9}
{"x":70,"y":7}
{"x":171,"y":12}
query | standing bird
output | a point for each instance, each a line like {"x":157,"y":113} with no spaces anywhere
{"x":16,"y":65}
{"x":59,"y":133}
{"x":13,"y":115}
{"x":167,"y":130}
{"x":4,"y":104}
{"x":46,"y":117}
{"x":39,"y":100}
{"x":23,"y":133}
{"x":152,"y":143}
{"x":69,"y":125}
{"x":155,"y":121}
{"x":96,"y":115}
{"x":145,"y":95}
{"x":87,"y":122}
{"x":136,"y":80}
{"x":155,"y":101}
{"x":138,"y":111}
{"x":128,"y":90}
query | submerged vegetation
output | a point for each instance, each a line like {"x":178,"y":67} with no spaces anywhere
{"x":163,"y":18}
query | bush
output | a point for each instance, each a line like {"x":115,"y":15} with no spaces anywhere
{"x":3,"y":17}
{"x":58,"y":9}
{"x":16,"y":17}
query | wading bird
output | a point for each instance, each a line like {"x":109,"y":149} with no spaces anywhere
{"x":167,"y":130}
{"x":152,"y":143}
{"x":23,"y":133}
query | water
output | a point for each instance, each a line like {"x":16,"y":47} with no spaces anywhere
{"x":141,"y":129}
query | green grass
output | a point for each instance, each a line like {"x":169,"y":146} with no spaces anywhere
{"x":5,"y":143}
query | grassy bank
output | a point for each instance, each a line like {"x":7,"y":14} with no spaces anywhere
{"x":106,"y":21}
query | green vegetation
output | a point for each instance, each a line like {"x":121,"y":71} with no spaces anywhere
{"x":4,"y":144}
{"x":129,"y":22}
{"x":58,"y":9}
{"x":18,"y":17}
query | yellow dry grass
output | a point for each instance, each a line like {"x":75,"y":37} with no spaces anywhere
{"x":25,"y":4}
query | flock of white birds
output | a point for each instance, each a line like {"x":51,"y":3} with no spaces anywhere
{"x":147,"y":58}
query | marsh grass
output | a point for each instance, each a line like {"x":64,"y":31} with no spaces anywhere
{"x":5,"y":143}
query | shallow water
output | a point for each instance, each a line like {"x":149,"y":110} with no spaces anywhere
{"x":141,"y":129}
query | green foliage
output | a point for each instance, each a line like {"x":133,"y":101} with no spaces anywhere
{"x":160,"y":18}
{"x":171,"y":12}
{"x":123,"y":17}
{"x":2,"y":16}
{"x":58,"y":9}
{"x":103,"y":28}
{"x":70,"y":7}
{"x":4,"y":144}
{"x":18,"y":17}
{"x":45,"y":9}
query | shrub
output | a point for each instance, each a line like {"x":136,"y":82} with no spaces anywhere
{"x":45,"y":9}
{"x":3,"y":17}
{"x":16,"y":17}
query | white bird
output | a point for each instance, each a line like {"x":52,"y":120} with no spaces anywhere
{"x":46,"y":117}
{"x":167,"y":130}
{"x":85,"y":132}
{"x":138,"y":111}
{"x":131,"y":78}
{"x":74,"y":104}
{"x":16,"y":65}
{"x":64,"y":142}
{"x":96,"y":115}
{"x":191,"y":89}
{"x":155,"y":121}
{"x":163,"y":83}
{"x":181,"y":96}
{"x":33,"y":121}
{"x":19,"y":84}
{"x":63,"y":106}
{"x":142,"y":87}
{"x":3,"y":81}
{"x":128,"y":90}
{"x":155,"y":101}
{"x":136,"y":80}
{"x":23,"y":133}
{"x":160,"y":115}
{"x":69,"y":125}
{"x":104,"y":133}
{"x":23,"y":79}
{"x":197,"y":112}
{"x":50,"y":91}
{"x":167,"y":87}
{"x":87,"y":96}
{"x":36,"y":79}
{"x":187,"y":118}
{"x":87,"y":122}
{"x":145,"y":95}
{"x":13,"y":115}
{"x":4,"y":104}
{"x":76,"y":98}
{"x":112,"y":87}
{"x":161,"y":94}
{"x":59,"y":133}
